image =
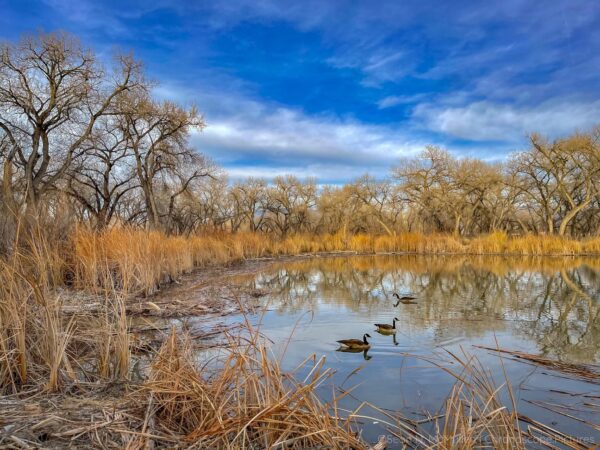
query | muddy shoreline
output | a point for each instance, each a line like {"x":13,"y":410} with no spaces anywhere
{"x":208,"y":290}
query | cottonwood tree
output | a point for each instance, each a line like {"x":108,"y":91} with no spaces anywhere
{"x":536,"y":189}
{"x":480,"y":188}
{"x":52,"y":94}
{"x":561,"y":178}
{"x":183,"y":182}
{"x":380,"y":200}
{"x":157,"y":134}
{"x":209,"y":206}
{"x":430,"y":186}
{"x":249,"y":199}
{"x":339,"y":211}
{"x":101,"y":179}
{"x":458,"y":195}
{"x":288,"y":206}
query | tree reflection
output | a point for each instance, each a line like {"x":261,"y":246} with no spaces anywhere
{"x":553,"y":301}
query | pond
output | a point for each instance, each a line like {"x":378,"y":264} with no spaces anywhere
{"x":548,"y":307}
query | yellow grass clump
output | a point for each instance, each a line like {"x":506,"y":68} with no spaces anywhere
{"x":245,"y":401}
{"x":33,"y":335}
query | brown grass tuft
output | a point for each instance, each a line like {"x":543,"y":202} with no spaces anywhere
{"x":245,"y":401}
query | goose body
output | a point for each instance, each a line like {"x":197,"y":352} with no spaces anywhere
{"x":356,"y":343}
{"x":383,"y":327}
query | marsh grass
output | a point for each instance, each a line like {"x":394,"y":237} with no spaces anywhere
{"x":139,"y":261}
{"x":474,"y":413}
{"x":248,"y":400}
{"x":33,"y":336}
{"x":241,"y":398}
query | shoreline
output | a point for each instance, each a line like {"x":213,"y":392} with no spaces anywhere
{"x":70,"y":414}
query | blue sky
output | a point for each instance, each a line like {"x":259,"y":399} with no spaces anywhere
{"x":334,"y":89}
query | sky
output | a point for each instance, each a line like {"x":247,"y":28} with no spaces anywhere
{"x":333,"y":89}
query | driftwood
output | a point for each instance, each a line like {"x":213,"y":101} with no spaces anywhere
{"x":587,"y":372}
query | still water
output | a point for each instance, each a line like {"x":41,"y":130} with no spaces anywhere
{"x":547,"y":307}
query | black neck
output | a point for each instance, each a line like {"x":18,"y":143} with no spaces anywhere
{"x":365,"y":339}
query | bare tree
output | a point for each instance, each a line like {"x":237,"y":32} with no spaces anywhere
{"x":248,"y":201}
{"x":101,"y":178}
{"x":560,"y":177}
{"x":157,"y":134}
{"x":289,"y":203}
{"x":380,"y":199}
{"x":52,"y":94}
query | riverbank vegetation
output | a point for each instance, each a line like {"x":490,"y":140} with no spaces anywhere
{"x":102,"y":195}
{"x":85,"y":142}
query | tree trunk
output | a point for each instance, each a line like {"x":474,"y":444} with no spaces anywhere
{"x":570,"y":216}
{"x":456,"y":231}
{"x":152,"y":211}
{"x":550,"y":223}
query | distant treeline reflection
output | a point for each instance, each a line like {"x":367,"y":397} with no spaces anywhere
{"x":553,"y":301}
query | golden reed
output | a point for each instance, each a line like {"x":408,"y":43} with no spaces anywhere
{"x":143,"y":259}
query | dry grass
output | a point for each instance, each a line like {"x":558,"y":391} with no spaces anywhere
{"x":33,"y":336}
{"x":139,"y":261}
{"x":480,"y":413}
{"x":40,"y":347}
{"x":122,"y":261}
{"x":587,"y":372}
{"x":245,"y":401}
{"x":474,"y":415}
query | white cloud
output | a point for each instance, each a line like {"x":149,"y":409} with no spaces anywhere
{"x":322,"y":172}
{"x":483,"y":121}
{"x":269,"y":140}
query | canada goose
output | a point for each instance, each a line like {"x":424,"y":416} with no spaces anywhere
{"x":356,"y":343}
{"x":405,"y":300}
{"x":384,"y":327}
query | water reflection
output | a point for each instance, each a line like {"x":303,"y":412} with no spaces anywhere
{"x":388,"y":333}
{"x":552,"y":302}
{"x":545,"y":306}
{"x":365,"y":352}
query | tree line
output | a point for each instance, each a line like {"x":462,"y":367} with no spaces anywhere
{"x":85,"y":141}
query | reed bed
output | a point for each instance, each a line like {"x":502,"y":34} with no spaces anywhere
{"x":33,"y":336}
{"x":102,"y":261}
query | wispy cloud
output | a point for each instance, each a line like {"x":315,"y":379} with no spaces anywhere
{"x":394,"y":100}
{"x":486,"y":121}
{"x":337,"y":88}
